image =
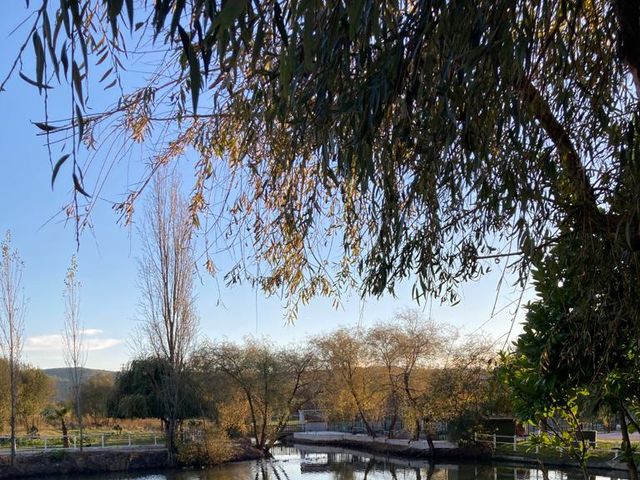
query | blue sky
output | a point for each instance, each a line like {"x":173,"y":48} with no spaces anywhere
{"x":108,"y":253}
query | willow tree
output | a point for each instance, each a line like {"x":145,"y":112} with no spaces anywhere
{"x":365,"y":141}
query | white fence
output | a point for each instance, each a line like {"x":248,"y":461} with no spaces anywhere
{"x":89,"y":441}
{"x":604,"y":450}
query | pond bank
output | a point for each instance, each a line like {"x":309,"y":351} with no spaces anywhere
{"x":446,"y":450}
{"x":390,"y":446}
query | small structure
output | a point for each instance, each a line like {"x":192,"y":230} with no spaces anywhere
{"x":504,"y":426}
{"x":312,"y":420}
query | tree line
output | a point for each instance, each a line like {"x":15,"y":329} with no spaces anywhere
{"x":401,"y":376}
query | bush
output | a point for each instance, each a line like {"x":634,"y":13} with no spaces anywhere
{"x":212,"y":448}
{"x":462,"y":429}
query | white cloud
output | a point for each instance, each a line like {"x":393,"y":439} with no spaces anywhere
{"x":92,"y":341}
{"x":90,"y":332}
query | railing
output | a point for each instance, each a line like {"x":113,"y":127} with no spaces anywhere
{"x":509,"y":443}
{"x":91,"y":441}
{"x":292,"y":428}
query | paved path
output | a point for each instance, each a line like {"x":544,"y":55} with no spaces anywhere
{"x":366,"y":439}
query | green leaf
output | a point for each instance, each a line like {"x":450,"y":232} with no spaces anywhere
{"x":80,"y":121}
{"x":33,"y":82}
{"x":130,"y":12}
{"x":115,"y":7}
{"x":56,"y":168}
{"x":77,"y":81}
{"x":39,"y":51}
{"x":231,"y":10}
{"x":45,"y":127}
{"x":177,"y":13}
{"x":105,"y":75}
{"x":194,"y":67}
{"x":78,"y":186}
{"x":307,"y":38}
{"x":64,"y":59}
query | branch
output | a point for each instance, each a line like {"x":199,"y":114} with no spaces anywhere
{"x":560,"y":137}
{"x":628,"y":16}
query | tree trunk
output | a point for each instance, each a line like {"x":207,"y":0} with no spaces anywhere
{"x":65,"y":433}
{"x":79,"y":417}
{"x":14,"y":401}
{"x":432,"y":451}
{"x":171,"y":441}
{"x":626,"y":445}
{"x":392,"y":426}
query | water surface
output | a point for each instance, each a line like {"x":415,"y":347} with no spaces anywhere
{"x":304,"y":462}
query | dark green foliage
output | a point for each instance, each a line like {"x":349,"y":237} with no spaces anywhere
{"x":579,"y":350}
{"x":139,"y":391}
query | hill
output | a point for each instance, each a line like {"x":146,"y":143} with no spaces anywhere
{"x":62,"y":379}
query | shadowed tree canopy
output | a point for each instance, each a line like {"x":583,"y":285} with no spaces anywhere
{"x":139,"y":389}
{"x":363,"y":142}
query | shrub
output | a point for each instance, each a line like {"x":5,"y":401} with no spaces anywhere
{"x":212,"y":448}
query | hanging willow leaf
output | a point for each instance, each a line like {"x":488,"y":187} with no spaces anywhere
{"x":115,"y":7}
{"x":33,"y":82}
{"x":194,"y":67}
{"x":130,"y":12}
{"x":78,"y":186}
{"x":80,"y":121}
{"x":64,"y":59}
{"x":177,"y":13}
{"x":56,"y":168}
{"x":45,"y":127}
{"x":231,"y":10}
{"x":39,"y":51}
{"x":105,"y":75}
{"x":77,"y":81}
{"x":48,"y":37}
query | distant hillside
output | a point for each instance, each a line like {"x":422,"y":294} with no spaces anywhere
{"x":62,"y":379}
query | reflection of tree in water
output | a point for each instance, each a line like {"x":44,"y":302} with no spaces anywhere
{"x":352,"y":467}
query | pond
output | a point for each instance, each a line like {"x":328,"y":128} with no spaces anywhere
{"x":304,"y":462}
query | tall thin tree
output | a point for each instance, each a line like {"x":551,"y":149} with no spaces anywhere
{"x":75,"y":353}
{"x":12,"y":312}
{"x":166,"y":272}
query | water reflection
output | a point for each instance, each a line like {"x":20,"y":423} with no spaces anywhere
{"x":326,"y":463}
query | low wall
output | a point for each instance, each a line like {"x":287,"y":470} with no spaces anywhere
{"x":366,"y":439}
{"x":68,"y":462}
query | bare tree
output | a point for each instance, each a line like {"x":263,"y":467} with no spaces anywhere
{"x":12,"y":312}
{"x":166,"y":271}
{"x":75,"y":354}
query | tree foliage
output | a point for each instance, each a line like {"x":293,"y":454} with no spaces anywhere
{"x":35,"y":391}
{"x":269,"y":384}
{"x":406,"y":373}
{"x":139,"y":391}
{"x":95,"y":395}
{"x":602,"y":369}
{"x":365,"y":140}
